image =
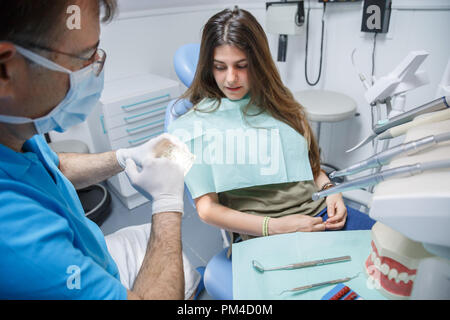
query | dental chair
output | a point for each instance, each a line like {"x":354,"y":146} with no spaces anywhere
{"x":218,"y":279}
{"x":217,"y":276}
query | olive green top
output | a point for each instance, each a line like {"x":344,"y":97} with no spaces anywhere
{"x":274,"y":200}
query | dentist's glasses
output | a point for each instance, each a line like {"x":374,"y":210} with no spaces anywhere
{"x":97,"y":59}
{"x":99,"y":62}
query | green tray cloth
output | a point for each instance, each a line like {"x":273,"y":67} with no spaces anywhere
{"x":280,"y":250}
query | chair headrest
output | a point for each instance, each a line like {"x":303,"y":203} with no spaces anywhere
{"x":185,"y":62}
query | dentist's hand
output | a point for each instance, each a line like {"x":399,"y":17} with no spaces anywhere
{"x":161,"y":179}
{"x":148,"y":149}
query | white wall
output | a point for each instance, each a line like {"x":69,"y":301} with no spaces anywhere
{"x":147,"y":33}
{"x":146,"y":40}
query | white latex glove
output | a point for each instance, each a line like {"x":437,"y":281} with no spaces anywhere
{"x":146,"y":150}
{"x":161,"y":179}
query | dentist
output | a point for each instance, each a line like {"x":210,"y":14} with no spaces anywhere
{"x":50,"y":79}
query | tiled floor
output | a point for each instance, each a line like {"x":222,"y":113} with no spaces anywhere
{"x":200,"y":241}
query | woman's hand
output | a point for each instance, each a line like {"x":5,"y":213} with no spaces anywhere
{"x":295,"y":223}
{"x":337,"y":212}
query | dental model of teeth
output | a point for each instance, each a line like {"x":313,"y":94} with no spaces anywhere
{"x":182,"y":156}
{"x":393,"y":261}
{"x":392,"y":273}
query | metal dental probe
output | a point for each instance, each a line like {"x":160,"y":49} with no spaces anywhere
{"x":436,"y":105}
{"x":403,"y":128}
{"x":403,"y":171}
{"x":384,"y":157}
{"x":432,"y":106}
{"x":363,"y":142}
{"x":258,"y":266}
{"x":320,"y":284}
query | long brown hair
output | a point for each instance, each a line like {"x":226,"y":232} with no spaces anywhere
{"x":237,"y":27}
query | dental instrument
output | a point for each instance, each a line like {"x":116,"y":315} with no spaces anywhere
{"x":436,"y":105}
{"x":439,"y":104}
{"x":403,"y":171}
{"x":403,"y":128}
{"x":384,"y":157}
{"x":259,"y":267}
{"x":320,"y":284}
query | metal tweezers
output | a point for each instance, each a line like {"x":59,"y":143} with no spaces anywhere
{"x":320,"y":284}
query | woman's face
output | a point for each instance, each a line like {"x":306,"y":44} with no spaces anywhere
{"x":230,"y":71}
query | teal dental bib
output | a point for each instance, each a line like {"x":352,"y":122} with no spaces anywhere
{"x":234,"y":150}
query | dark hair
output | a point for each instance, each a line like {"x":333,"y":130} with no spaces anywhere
{"x":34,"y":20}
{"x":239,"y":28}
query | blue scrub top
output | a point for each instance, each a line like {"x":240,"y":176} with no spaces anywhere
{"x":48,"y":248}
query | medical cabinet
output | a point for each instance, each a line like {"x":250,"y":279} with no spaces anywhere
{"x":131,"y":111}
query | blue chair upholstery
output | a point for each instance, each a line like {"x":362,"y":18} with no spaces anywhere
{"x":175,"y":109}
{"x":218,"y":277}
{"x":185,"y":62}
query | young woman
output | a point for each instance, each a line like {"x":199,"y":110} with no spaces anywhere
{"x":236,"y":67}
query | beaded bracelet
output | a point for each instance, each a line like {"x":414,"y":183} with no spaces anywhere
{"x":265,"y":230}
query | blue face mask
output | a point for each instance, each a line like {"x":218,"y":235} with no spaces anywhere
{"x":83,"y":95}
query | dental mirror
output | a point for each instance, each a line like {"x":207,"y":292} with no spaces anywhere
{"x":259,"y":267}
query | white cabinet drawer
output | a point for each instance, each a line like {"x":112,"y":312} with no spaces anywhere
{"x":137,"y":139}
{"x":142,"y":102}
{"x":135,"y":129}
{"x":136,"y":116}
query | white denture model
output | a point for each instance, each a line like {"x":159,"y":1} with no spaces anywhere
{"x":175,"y":153}
{"x":393,"y":262}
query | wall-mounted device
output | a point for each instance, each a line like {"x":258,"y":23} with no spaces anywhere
{"x":376,"y":16}
{"x":337,"y":1}
{"x":284,"y":18}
